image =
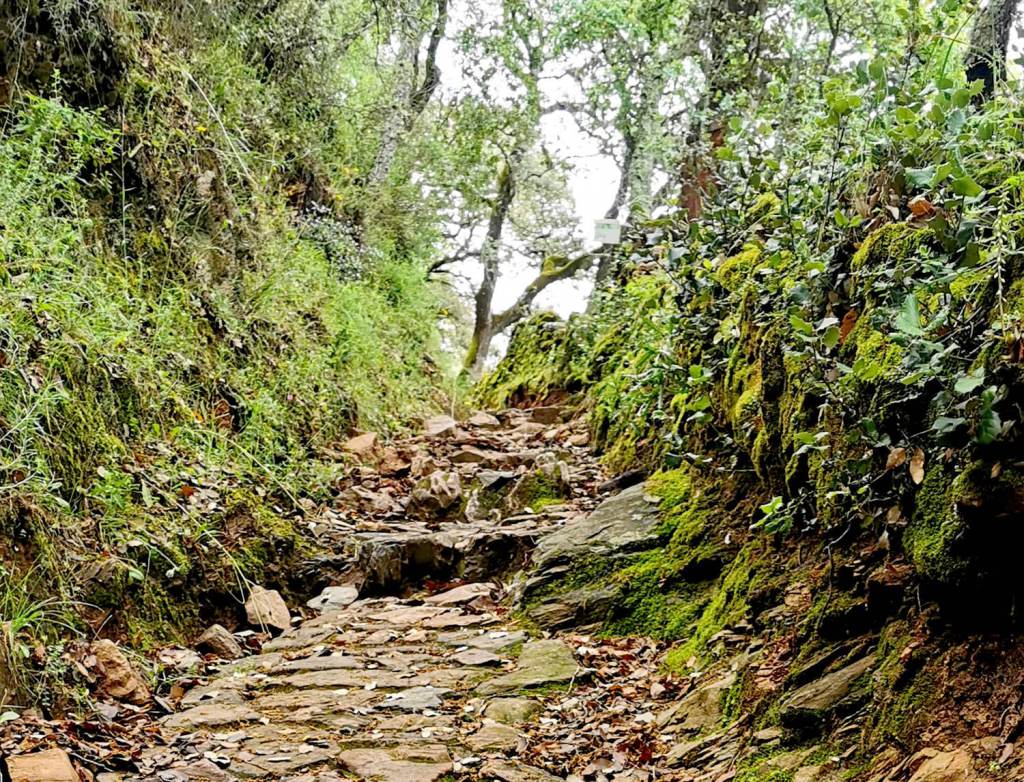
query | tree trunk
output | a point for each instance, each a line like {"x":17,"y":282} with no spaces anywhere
{"x":483,"y":322}
{"x":990,"y":40}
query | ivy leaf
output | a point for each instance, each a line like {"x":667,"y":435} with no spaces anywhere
{"x":909,"y":319}
{"x":989,"y":424}
{"x":967,"y":187}
{"x":801,"y":325}
{"x":946,"y":425}
{"x":967,"y":383}
{"x":920,"y":177}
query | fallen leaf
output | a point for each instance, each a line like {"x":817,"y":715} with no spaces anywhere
{"x":917,"y":466}
{"x":897,"y":457}
{"x":921,"y":207}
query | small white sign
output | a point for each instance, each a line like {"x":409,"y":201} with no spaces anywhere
{"x":607,"y":231}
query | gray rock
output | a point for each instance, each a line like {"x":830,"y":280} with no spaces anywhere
{"x":493,"y":738}
{"x":700,"y":709}
{"x":461,"y":595}
{"x":209,"y":715}
{"x":416,"y":699}
{"x":484,"y":421}
{"x":578,"y":607}
{"x":266,"y":608}
{"x":419,"y":763}
{"x":513,"y":711}
{"x":219,"y":641}
{"x":438,"y":492}
{"x":541,"y":663}
{"x":815,"y":702}
{"x":439,"y":425}
{"x":333,"y":598}
{"x":626,"y":522}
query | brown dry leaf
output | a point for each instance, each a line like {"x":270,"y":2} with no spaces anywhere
{"x":921,"y":207}
{"x":917,"y":466}
{"x":897,"y":458}
{"x":849,"y":321}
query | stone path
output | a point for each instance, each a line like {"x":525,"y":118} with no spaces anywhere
{"x":427,"y":687}
{"x":383,"y":689}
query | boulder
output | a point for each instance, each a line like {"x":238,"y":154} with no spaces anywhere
{"x":956,"y":766}
{"x":816,"y":701}
{"x":439,"y":425}
{"x":698,"y":710}
{"x":629,"y":521}
{"x":333,"y":598}
{"x":219,"y":641}
{"x":115,"y":675}
{"x":266,"y":608}
{"x":51,"y":765}
{"x":361,"y":445}
{"x":484,"y":420}
{"x":438,"y":492}
{"x":575,"y":608}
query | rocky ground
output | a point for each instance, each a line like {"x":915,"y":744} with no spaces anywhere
{"x":415,"y":665}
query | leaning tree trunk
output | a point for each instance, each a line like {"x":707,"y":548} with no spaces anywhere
{"x":483,"y":323}
{"x":990,"y":40}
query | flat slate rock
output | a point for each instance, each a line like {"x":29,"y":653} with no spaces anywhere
{"x":420,"y":763}
{"x":333,"y":598}
{"x":629,"y":521}
{"x":513,"y":771}
{"x":513,"y":711}
{"x":51,"y":765}
{"x":541,"y":663}
{"x":817,"y":700}
{"x":461,"y":595}
{"x":416,"y":699}
{"x":209,"y":715}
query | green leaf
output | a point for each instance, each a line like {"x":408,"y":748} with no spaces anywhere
{"x":967,"y":383}
{"x":967,"y":187}
{"x":909,"y":319}
{"x":989,"y":424}
{"x":801,"y":325}
{"x":831,"y":337}
{"x":920,"y":177}
{"x":905,"y":115}
{"x":946,"y":425}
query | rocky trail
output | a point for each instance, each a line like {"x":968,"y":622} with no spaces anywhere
{"x":414,"y":664}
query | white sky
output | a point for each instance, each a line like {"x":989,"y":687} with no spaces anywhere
{"x":593,"y":180}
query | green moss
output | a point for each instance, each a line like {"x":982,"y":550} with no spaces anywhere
{"x":727,"y":606}
{"x":932,"y":539}
{"x":536,"y":364}
{"x":905,"y":692}
{"x":892,"y":243}
{"x":537,"y":491}
{"x":765,"y":207}
{"x":740,"y":269}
